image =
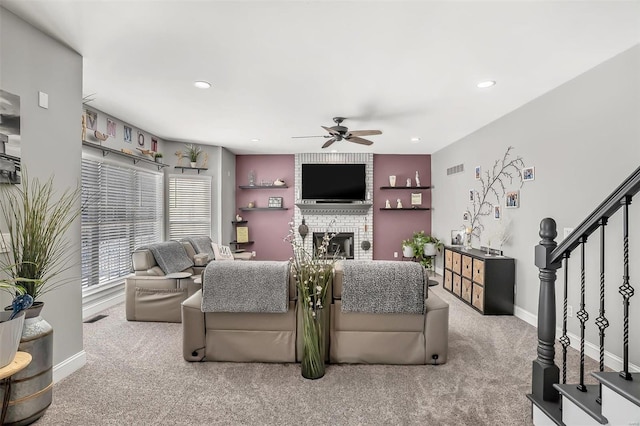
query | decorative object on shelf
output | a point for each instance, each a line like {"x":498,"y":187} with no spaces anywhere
{"x":408,"y":182}
{"x":251,"y":204}
{"x":467,"y":238}
{"x":417,"y":179}
{"x":84,"y":131}
{"x":493,"y":185}
{"x":242,"y":234}
{"x":278,"y":182}
{"x":512,"y":199}
{"x":313,"y":273}
{"x":238,"y":218}
{"x":275,"y":202}
{"x":266,"y":182}
{"x":140,"y":139}
{"x":528,"y":173}
{"x":157,"y":157}
{"x":111,"y":127}
{"x":36,"y":256}
{"x":457,"y":237}
{"x":127,"y":134}
{"x":192,"y":151}
{"x":100,"y":136}
{"x":416,"y":198}
{"x":303,"y":230}
{"x":92,"y":120}
{"x":252,"y":177}
{"x":126,"y":151}
{"x":392,"y":180}
{"x":205,"y":160}
{"x":387,"y":204}
{"x":180,"y":156}
{"x":147,"y":152}
{"x":399,"y":205}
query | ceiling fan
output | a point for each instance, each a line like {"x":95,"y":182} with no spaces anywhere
{"x":340,"y":132}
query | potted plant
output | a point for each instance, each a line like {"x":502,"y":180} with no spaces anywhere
{"x":157,"y":157}
{"x":408,"y":248}
{"x":425,"y":246}
{"x":193,"y":152}
{"x":37,"y":219}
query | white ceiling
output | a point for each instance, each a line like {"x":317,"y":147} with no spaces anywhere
{"x":283,"y":69}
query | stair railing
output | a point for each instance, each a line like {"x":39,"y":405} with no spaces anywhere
{"x":549,"y":257}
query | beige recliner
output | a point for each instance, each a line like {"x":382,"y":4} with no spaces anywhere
{"x":239,"y":336}
{"x":152,"y":295}
{"x":390,"y":338}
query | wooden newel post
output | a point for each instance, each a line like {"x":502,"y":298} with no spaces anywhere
{"x":545,"y":372}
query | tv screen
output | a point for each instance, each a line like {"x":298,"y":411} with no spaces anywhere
{"x":333,"y":182}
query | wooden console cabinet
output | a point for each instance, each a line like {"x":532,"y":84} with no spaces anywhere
{"x":484,"y":282}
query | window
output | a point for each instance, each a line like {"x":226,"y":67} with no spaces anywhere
{"x":189,"y":206}
{"x":123,"y":210}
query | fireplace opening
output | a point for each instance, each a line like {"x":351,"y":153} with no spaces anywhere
{"x":341,"y":244}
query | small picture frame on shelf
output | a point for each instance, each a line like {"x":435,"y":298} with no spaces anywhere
{"x":457,"y":237}
{"x":275,"y":202}
{"x":416,"y":198}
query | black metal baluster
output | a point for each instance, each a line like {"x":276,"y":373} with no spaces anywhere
{"x":564,"y":339}
{"x":625,"y":289}
{"x":601,"y":321}
{"x":582,"y":315}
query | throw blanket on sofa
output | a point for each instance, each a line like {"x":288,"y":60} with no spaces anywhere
{"x":170,"y":256}
{"x":250,"y":286}
{"x":383,"y":287}
{"x":201,"y":244}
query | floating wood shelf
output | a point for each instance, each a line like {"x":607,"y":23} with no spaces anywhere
{"x":262,"y":186}
{"x":405,"y":187}
{"x":106,"y":151}
{"x":246,"y":209}
{"x":234,"y":242}
{"x":183,"y":168}
{"x":404,"y":208}
{"x":239,"y":222}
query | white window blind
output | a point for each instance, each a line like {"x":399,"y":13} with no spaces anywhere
{"x":189,"y":206}
{"x":123,"y":210}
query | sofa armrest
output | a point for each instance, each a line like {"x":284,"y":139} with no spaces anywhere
{"x":142,"y":281}
{"x":193,"y":328}
{"x":436,"y":329}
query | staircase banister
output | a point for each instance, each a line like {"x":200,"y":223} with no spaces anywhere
{"x":628,"y":188}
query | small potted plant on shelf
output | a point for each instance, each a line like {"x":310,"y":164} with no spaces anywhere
{"x":193,"y":152}
{"x":157,"y":157}
{"x":407,"y":248}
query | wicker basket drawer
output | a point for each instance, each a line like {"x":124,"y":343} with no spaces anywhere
{"x":456,"y":284}
{"x":448,"y":280}
{"x":448,"y":260}
{"x":478,"y":297}
{"x":466,"y":266}
{"x":466,"y":290}
{"x":478,"y":271}
{"x":457,"y":262}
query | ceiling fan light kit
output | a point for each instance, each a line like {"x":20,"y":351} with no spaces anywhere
{"x":340,"y":132}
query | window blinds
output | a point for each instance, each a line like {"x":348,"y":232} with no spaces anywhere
{"x":189,"y":206}
{"x":123,"y":211}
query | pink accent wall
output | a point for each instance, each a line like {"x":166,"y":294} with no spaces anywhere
{"x":266,"y":228}
{"x":391,"y":227}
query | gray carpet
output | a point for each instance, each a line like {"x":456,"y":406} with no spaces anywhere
{"x":135,"y":375}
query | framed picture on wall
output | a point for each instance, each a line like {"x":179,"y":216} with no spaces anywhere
{"x":127,"y":134}
{"x":154,"y":144}
{"x":512,"y":200}
{"x":111,"y":127}
{"x":92,"y":120}
{"x":528,"y":173}
{"x":416,"y":198}
{"x":477,"y":172}
{"x":275,"y":202}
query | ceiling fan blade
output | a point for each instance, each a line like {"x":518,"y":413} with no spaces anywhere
{"x":317,"y":136}
{"x":365,"y":133}
{"x":331,"y":131}
{"x":359,"y":140}
{"x":329,"y":142}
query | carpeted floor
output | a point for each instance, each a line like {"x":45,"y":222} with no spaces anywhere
{"x":135,"y":375}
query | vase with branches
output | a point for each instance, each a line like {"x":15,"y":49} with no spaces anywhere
{"x":493,"y":186}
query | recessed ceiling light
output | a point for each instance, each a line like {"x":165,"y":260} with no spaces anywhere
{"x":485,"y":84}
{"x":255,"y":140}
{"x":201,"y":84}
{"x":415,"y":139}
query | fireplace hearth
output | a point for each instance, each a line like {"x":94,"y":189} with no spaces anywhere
{"x":341,"y":244}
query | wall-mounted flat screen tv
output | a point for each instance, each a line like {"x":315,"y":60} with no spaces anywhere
{"x":334,"y":182}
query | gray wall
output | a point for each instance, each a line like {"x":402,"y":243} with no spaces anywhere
{"x":50,"y":139}
{"x":227,"y":188}
{"x":583,"y":139}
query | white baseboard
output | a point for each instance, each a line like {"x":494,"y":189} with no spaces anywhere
{"x":590,"y":349}
{"x":90,"y":310}
{"x":69,"y":366}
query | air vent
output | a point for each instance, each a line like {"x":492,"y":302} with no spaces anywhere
{"x":455,"y":169}
{"x":95,"y":318}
